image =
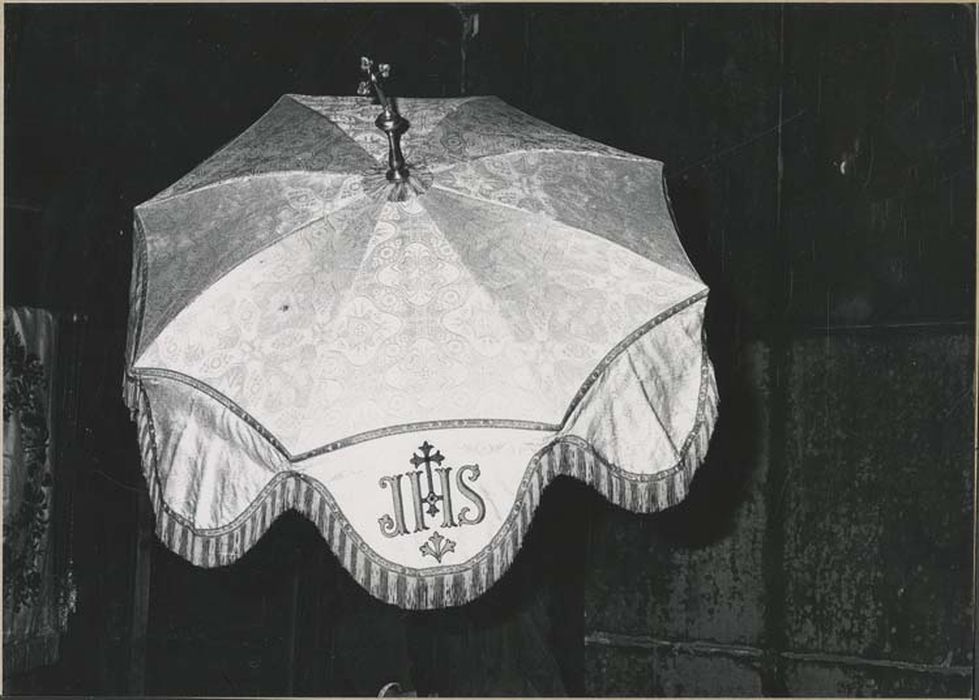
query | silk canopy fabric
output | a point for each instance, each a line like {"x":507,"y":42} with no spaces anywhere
{"x":410,"y":365}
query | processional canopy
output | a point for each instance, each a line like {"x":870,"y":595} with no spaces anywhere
{"x":405,"y":327}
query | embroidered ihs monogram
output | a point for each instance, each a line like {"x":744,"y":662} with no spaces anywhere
{"x":431,"y":490}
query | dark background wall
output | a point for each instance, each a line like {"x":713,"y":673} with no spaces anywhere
{"x":821,"y":163}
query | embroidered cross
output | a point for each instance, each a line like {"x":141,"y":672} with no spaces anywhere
{"x":427,"y":458}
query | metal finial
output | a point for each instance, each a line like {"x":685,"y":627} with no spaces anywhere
{"x":388,"y":121}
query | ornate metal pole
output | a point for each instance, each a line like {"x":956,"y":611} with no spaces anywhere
{"x":388,"y":121}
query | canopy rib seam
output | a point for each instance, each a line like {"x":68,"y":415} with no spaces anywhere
{"x":226,"y":146}
{"x":436,"y":166}
{"x":333,"y":174}
{"x":528,"y":212}
{"x":623,"y":344}
{"x":333,"y":123}
{"x":465,"y":101}
{"x":161,"y":323}
{"x":642,"y":386}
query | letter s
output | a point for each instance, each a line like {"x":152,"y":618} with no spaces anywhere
{"x":470,"y":495}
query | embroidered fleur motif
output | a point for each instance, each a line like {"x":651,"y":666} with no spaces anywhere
{"x":437,"y":546}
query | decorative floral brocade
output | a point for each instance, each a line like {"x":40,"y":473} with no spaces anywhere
{"x":306,"y":334}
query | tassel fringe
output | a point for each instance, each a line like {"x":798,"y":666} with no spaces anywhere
{"x":379,"y":188}
{"x":439,"y":586}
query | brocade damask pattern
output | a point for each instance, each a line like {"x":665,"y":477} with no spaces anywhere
{"x":621,"y":201}
{"x":289,"y":137}
{"x":301,"y":323}
{"x":430,"y":314}
{"x":356,"y":115}
{"x":488,"y":126}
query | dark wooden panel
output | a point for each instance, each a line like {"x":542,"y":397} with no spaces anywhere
{"x":820,"y":164}
{"x":525,"y":636}
{"x":878,"y":498}
{"x":694,"y":572}
{"x":225,"y":631}
{"x":622,"y":671}
{"x":107,"y":105}
{"x":827,"y":678}
{"x":879,"y":164}
{"x":694,"y":87}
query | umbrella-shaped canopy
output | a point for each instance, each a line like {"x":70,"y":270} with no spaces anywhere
{"x":410,"y":363}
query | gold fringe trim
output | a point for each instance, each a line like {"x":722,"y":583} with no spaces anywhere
{"x":438,"y":586}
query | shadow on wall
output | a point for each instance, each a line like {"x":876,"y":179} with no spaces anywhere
{"x":721,"y":485}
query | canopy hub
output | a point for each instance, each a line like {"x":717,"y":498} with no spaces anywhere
{"x":389,"y":120}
